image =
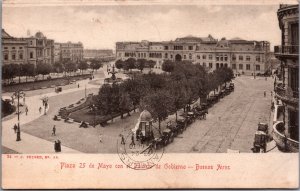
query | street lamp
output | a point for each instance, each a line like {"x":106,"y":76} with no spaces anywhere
{"x":18,"y":94}
{"x":254,"y":70}
{"x":94,"y":110}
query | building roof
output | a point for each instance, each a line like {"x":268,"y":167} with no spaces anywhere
{"x":146,"y":116}
{"x":5,"y":34}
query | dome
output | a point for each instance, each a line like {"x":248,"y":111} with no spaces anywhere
{"x":39,"y":35}
{"x":146,"y":116}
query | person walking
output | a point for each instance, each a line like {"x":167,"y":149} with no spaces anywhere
{"x":264,"y":93}
{"x":78,"y":85}
{"x":53,"y":130}
{"x":132,"y":144}
{"x":40,"y":110}
{"x":24,"y":99}
{"x":122,"y":140}
{"x":100,"y":138}
{"x":271,"y":93}
{"x":26,"y":110}
{"x":15,"y":128}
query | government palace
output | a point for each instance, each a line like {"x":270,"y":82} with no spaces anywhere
{"x":243,"y":56}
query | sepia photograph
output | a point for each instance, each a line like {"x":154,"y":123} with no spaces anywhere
{"x":135,"y":83}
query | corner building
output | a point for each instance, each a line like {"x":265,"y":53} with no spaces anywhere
{"x":244,"y":57}
{"x":286,"y":132}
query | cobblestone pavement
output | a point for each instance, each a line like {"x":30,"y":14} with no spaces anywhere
{"x":231,"y":123}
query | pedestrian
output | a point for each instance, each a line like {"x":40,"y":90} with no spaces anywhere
{"x":58,"y":145}
{"x":53,"y":130}
{"x":24,"y":99}
{"x":40,"y":110}
{"x":271,"y":93}
{"x":132,"y":144}
{"x":26,"y":110}
{"x":100,"y":138}
{"x":78,"y":85}
{"x":55,"y":146}
{"x":264,"y":93}
{"x":15,"y":128}
{"x":122,"y":140}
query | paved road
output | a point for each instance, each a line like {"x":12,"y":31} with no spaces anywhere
{"x":231,"y":123}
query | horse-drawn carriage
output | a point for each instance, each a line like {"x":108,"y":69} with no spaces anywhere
{"x":260,"y":138}
{"x":200,"y":112}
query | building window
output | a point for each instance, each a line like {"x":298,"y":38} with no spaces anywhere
{"x":198,"y":57}
{"x":247,"y":66}
{"x":190,"y":56}
{"x":184,"y":56}
{"x":203,"y":56}
{"x":241,"y":58}
{"x":233,"y":57}
{"x":226,"y":65}
{"x":225,"y":58}
{"x":31,"y":55}
{"x":257,"y":67}
{"x":166,"y":55}
{"x":217,"y":65}
{"x":204,"y":64}
{"x":166,"y":47}
{"x":233,"y":66}
{"x":5,"y":56}
{"x":13,"y":56}
{"x":30,"y":42}
{"x":171,"y":56}
{"x":247,"y":58}
{"x":258,"y":58}
{"x":21,"y":56}
{"x":13,"y":48}
{"x":210,"y":65}
{"x":240,"y":66}
{"x":190,"y":47}
{"x":210,"y":57}
{"x":221,"y":57}
{"x":5,"y":48}
{"x":217,"y":58}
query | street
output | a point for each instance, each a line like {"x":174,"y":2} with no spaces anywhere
{"x":231,"y":123}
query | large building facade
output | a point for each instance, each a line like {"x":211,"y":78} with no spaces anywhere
{"x":97,"y":53}
{"x":35,"y":49}
{"x":68,"y":51}
{"x":286,"y":132}
{"x":244,"y":57}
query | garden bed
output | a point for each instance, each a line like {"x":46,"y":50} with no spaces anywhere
{"x":42,"y":84}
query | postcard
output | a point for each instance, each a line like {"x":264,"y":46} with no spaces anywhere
{"x":150,"y":94}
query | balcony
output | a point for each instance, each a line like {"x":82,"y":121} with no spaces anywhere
{"x":284,"y":143}
{"x":288,"y":51}
{"x":291,"y":96}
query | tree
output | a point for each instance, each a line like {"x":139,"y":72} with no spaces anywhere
{"x":150,"y":64}
{"x":28,"y":70}
{"x":129,"y":64}
{"x":70,"y":66}
{"x":82,"y":65}
{"x":168,"y":66}
{"x":178,"y":94}
{"x":159,"y":104}
{"x":108,"y":99}
{"x":9,"y":71}
{"x":95,"y":64}
{"x":140,"y":64}
{"x":125,"y":103}
{"x":119,"y":64}
{"x":58,"y":67}
{"x":43,"y":68}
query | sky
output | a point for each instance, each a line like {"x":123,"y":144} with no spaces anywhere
{"x":99,"y":27}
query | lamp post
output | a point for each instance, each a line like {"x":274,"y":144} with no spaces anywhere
{"x":45,"y":103}
{"x":18,"y":94}
{"x":94,"y":110}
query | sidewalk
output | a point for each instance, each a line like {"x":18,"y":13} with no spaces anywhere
{"x":29,"y":143}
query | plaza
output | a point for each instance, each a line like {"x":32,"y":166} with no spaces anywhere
{"x":230,"y":124}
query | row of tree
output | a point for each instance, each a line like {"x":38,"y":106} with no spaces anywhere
{"x":10,"y":71}
{"x":161,"y":94}
{"x":132,"y":63}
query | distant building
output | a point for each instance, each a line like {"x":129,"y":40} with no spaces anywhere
{"x":248,"y":57}
{"x":97,"y":53}
{"x":69,"y":51}
{"x":286,"y":132}
{"x":35,"y":49}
